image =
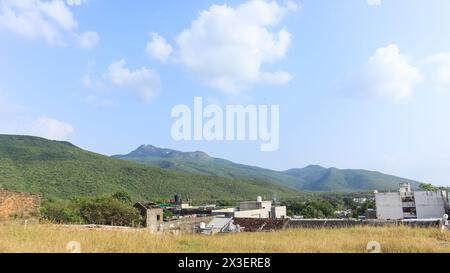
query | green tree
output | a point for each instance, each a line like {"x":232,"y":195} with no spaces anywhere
{"x":61,"y":212}
{"x":428,"y":187}
{"x":109,"y":211}
{"x":122,"y":196}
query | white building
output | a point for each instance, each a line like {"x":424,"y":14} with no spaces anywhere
{"x":408,"y":204}
{"x":254,"y":209}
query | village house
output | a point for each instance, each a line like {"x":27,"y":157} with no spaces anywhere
{"x":152,"y":215}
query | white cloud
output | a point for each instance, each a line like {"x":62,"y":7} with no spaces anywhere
{"x":89,"y":81}
{"x":227,"y":47}
{"x":18,"y":119}
{"x":158,"y":48}
{"x":145,"y":82}
{"x":100,"y":102}
{"x":373,"y":2}
{"x":387,"y":73}
{"x":441,"y":63}
{"x":75,"y":2}
{"x":88,"y":39}
{"x":32,"y":19}
{"x":51,"y":129}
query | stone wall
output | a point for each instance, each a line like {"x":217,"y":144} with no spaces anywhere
{"x":19,"y":205}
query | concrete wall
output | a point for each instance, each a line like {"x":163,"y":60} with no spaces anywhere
{"x":389,"y":206}
{"x":18,"y":205}
{"x":154,"y":218}
{"x":257,"y":213}
{"x":252,"y":205}
{"x":279,"y":212}
{"x":429,"y":204}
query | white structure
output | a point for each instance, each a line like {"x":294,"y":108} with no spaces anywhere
{"x":389,"y":206}
{"x":430,"y":204}
{"x":406,"y":204}
{"x":278,"y":212}
{"x":219,"y":224}
{"x":254,"y":209}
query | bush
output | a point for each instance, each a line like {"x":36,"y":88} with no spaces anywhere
{"x":101,"y":210}
{"x":123,"y":197}
{"x":61,"y":212}
{"x":109,"y":211}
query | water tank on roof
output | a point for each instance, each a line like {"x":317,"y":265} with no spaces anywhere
{"x":405,"y":187}
{"x":259,"y":199}
{"x":202,"y":225}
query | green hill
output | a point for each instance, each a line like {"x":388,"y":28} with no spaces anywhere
{"x":201,"y":163}
{"x":311,"y":178}
{"x":317,"y":178}
{"x":62,"y":170}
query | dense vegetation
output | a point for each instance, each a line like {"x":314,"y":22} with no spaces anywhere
{"x":311,"y":178}
{"x":105,"y":210}
{"x":326,"y":205}
{"x":63,"y":171}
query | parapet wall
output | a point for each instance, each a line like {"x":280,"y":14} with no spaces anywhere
{"x":18,"y":205}
{"x":184,"y":225}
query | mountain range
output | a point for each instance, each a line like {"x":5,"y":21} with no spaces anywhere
{"x":63,"y":171}
{"x":59,"y":169}
{"x":310,"y":178}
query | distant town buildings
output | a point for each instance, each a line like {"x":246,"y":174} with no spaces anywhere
{"x":254,"y":209}
{"x":408,"y":204}
{"x":210,"y":219}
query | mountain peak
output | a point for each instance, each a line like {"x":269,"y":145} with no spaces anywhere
{"x":310,"y":178}
{"x":153,"y":151}
{"x":317,"y":167}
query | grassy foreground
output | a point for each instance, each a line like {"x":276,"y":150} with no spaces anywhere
{"x":48,"y":238}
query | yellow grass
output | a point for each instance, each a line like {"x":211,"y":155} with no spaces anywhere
{"x":50,"y":238}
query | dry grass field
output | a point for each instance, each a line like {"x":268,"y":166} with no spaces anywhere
{"x":50,"y":238}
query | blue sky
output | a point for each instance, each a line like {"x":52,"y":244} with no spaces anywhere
{"x":360,"y":83}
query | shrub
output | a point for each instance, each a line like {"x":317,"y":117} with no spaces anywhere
{"x":61,"y":212}
{"x":109,"y":211}
{"x":100,"y":210}
{"x":123,"y":197}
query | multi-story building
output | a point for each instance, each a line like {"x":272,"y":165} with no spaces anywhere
{"x":408,"y":204}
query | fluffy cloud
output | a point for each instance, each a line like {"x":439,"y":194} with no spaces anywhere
{"x":50,"y":20}
{"x":158,"y":48}
{"x":387,"y":73}
{"x":16,"y":118}
{"x":51,"y":128}
{"x":227,"y":46}
{"x":373,"y":2}
{"x":144,"y":82}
